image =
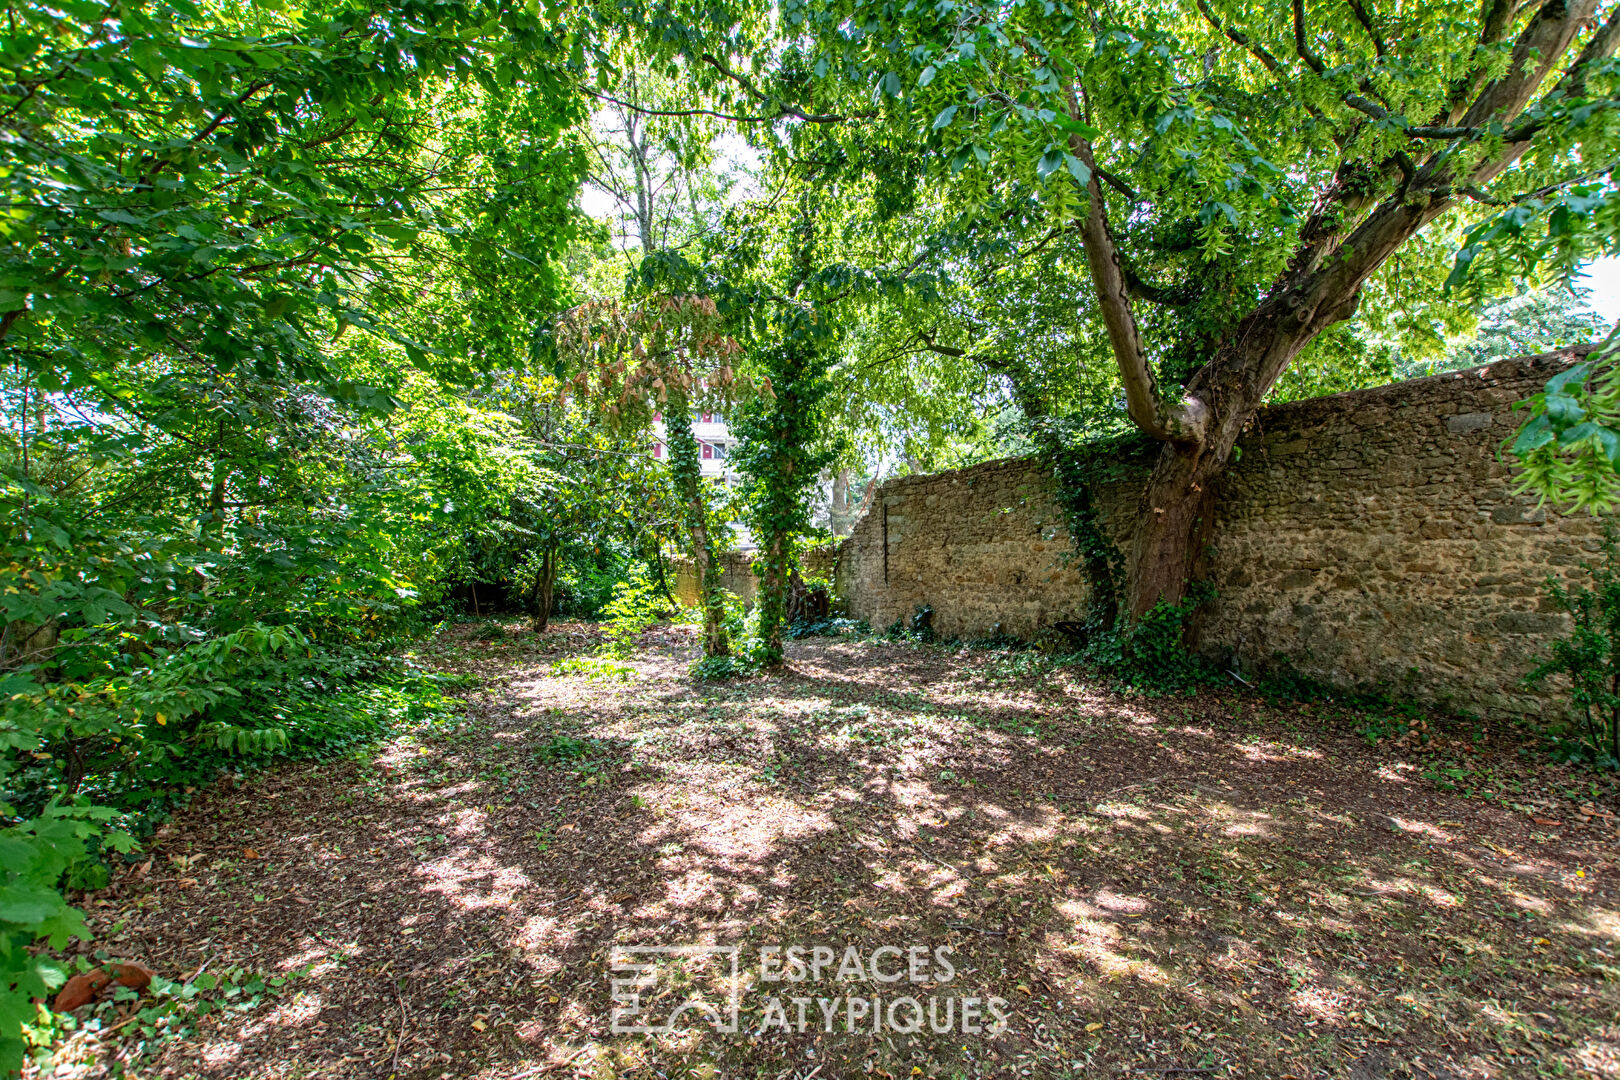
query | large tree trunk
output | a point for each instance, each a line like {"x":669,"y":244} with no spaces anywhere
{"x":771,"y":597}
{"x":1177,"y":510}
{"x":1176,"y":515}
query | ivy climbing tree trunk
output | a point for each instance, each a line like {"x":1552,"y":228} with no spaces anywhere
{"x":685,"y":468}
{"x":781,"y":456}
{"x":781,"y":451}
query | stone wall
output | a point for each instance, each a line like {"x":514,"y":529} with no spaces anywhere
{"x":1371,"y":538}
{"x":737,"y":573}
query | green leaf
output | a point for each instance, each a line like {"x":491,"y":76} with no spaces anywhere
{"x":1533,"y":436}
{"x":29,"y":904}
{"x":946,"y":115}
{"x":1077,"y":127}
{"x":1576,"y":373}
{"x":1564,"y":410}
{"x":1078,"y":170}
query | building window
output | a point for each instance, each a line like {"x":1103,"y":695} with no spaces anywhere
{"x":720,"y":450}
{"x":658,"y":449}
{"x":708,"y":451}
{"x":708,"y":418}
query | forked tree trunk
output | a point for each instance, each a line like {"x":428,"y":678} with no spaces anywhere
{"x":1175,"y":517}
{"x":1341,"y":245}
{"x":545,"y":588}
{"x":1176,"y":508}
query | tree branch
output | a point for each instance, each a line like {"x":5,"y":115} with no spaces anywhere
{"x":1366,"y":22}
{"x":783,"y":109}
{"x":1546,"y":38}
{"x":1312,"y":61}
{"x":1495,"y":18}
{"x":1183,"y":422}
{"x":1240,"y":39}
{"x":643,"y":111}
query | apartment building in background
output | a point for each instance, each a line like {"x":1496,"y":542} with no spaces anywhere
{"x":714,"y":446}
{"x":715,"y":442}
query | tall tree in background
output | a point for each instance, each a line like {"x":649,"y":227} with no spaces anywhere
{"x":657,"y":157}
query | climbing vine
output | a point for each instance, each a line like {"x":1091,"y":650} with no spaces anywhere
{"x":686,"y":471}
{"x":1151,"y":652}
{"x":781,"y":454}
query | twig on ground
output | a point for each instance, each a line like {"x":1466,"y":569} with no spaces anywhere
{"x":975,"y":929}
{"x":399,"y":1044}
{"x":538,"y":1069}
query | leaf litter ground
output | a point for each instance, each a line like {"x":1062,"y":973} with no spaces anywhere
{"x":1205,"y":886}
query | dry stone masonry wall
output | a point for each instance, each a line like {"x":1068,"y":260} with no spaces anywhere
{"x":1369,"y":538}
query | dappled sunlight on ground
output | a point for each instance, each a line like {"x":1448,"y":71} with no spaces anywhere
{"x":1215,"y":885}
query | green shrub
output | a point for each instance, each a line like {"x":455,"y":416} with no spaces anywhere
{"x":636,"y":606}
{"x":833,"y":626}
{"x":563,"y":747}
{"x":721,"y":668}
{"x":1589,"y":658}
{"x":919,"y":627}
{"x":593,"y":667}
{"x":35,"y":857}
{"x":490,"y":631}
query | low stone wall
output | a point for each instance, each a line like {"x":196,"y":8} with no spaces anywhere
{"x":737,"y":573}
{"x":1371,"y":538}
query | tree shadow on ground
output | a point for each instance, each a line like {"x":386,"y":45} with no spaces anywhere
{"x":1149,"y":885}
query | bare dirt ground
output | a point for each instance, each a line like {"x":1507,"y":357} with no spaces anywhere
{"x":1208,"y":886}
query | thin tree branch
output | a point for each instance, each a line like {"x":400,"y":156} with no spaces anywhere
{"x":784,"y":109}
{"x":1312,"y":61}
{"x":1365,"y":19}
{"x":1241,"y":39}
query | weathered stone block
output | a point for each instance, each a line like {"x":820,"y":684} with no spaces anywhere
{"x":1463,"y":423}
